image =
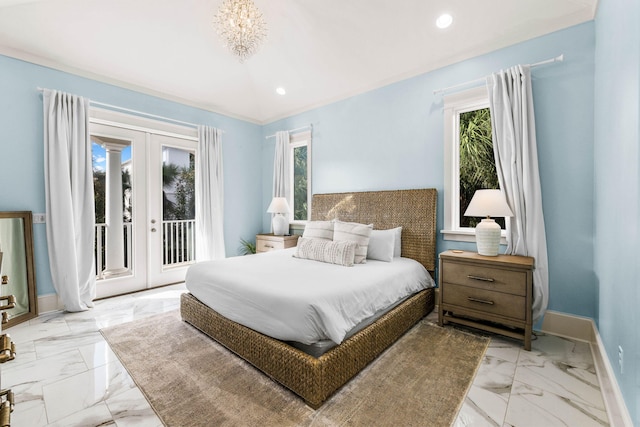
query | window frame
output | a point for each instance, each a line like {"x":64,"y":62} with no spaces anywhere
{"x":297,"y":140}
{"x":454,"y":105}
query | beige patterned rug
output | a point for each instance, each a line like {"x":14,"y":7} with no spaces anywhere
{"x":190,"y":380}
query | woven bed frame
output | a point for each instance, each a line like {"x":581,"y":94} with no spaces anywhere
{"x":316,"y":379}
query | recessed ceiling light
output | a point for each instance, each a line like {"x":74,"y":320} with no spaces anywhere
{"x":444,"y":20}
{"x":281,"y":91}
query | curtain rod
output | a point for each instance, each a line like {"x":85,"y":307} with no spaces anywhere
{"x":142,"y":113}
{"x":558,"y":58}
{"x":309,"y":126}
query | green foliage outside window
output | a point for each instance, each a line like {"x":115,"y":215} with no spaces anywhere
{"x":100,"y":191}
{"x":477,"y":163}
{"x":300,"y":183}
{"x":183,"y":181}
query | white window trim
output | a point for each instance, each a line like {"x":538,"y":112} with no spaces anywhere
{"x":454,"y":105}
{"x":299,"y":139}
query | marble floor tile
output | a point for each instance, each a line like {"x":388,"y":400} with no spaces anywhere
{"x":561,"y":378}
{"x":29,"y":413}
{"x":131,"y":408}
{"x":34,"y":331}
{"x":44,"y":370}
{"x":530,"y":406}
{"x":56,"y":344}
{"x":65,"y":374}
{"x":97,"y":354}
{"x":94,"y":416}
{"x":91,"y":388}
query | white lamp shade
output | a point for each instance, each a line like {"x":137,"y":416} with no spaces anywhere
{"x":278,"y":205}
{"x":488,"y":203}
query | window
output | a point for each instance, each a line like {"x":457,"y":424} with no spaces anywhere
{"x":469,"y":161}
{"x":300,"y":176}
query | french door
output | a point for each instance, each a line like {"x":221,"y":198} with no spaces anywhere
{"x":144,"y":181}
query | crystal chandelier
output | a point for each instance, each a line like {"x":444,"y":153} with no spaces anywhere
{"x":241,"y":27}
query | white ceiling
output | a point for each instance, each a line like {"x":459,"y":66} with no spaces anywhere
{"x":318,"y":50}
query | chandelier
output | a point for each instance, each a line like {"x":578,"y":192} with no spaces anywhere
{"x":241,"y":27}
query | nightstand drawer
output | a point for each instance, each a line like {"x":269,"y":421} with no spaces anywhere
{"x":487,"y":301}
{"x":489,"y":278}
{"x":268,"y":245}
{"x":270,"y":242}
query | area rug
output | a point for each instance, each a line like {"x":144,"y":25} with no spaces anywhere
{"x":190,"y":380}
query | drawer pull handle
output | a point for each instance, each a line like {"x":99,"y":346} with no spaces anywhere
{"x":268,"y":246}
{"x":481,"y":301}
{"x":484,"y":279}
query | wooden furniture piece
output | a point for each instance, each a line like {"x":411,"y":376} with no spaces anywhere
{"x":270,"y":242}
{"x":315,"y":379}
{"x":493,"y":293}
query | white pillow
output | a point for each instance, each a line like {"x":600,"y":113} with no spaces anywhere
{"x":322,"y":230}
{"x":341,"y":253}
{"x":354,"y":232}
{"x":382,"y":245}
{"x":397,"y":248}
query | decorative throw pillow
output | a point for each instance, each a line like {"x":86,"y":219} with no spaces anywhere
{"x":322,"y":230}
{"x":397,"y":248}
{"x":354,"y":232}
{"x":341,"y":253}
{"x":381,"y":245}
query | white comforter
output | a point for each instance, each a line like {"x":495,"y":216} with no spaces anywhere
{"x":294,"y":299}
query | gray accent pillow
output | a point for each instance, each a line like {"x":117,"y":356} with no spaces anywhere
{"x":354,"y":232}
{"x":341,"y":253}
{"x":322,"y":230}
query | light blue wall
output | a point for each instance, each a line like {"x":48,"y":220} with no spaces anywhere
{"x":22,"y":152}
{"x":617,"y":189}
{"x":392,"y":138}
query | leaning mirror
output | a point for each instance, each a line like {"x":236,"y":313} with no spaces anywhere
{"x":16,"y":266}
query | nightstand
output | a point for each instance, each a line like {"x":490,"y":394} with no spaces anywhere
{"x":492,"y":293}
{"x":269,"y":242}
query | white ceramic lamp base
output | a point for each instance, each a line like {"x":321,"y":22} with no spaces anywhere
{"x":488,"y":237}
{"x":280,"y":225}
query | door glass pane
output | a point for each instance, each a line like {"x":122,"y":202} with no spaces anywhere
{"x":300,"y":183}
{"x":178,"y":206}
{"x":113,"y":203}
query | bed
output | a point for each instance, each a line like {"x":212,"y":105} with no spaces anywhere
{"x":316,"y":378}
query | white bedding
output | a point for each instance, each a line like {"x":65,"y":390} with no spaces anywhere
{"x":294,"y":299}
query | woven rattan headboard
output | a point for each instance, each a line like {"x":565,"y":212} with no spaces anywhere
{"x":414,"y":210}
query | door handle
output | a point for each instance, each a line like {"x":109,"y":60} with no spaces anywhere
{"x":7,"y":348}
{"x":6,"y":408}
{"x":11,"y":302}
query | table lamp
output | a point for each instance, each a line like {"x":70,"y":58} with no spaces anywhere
{"x":488,"y":203}
{"x":280,"y":223}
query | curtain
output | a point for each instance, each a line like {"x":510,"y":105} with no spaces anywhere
{"x":69,"y":198}
{"x":516,"y":156}
{"x":281,"y":162}
{"x":209,"y":195}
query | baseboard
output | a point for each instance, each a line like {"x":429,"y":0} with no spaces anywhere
{"x":48,"y":303}
{"x":584,"y":329}
{"x":568,"y":326}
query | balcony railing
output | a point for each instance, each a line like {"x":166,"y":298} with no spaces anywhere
{"x":179,"y":242}
{"x":101,"y":245}
{"x":178,"y":238}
